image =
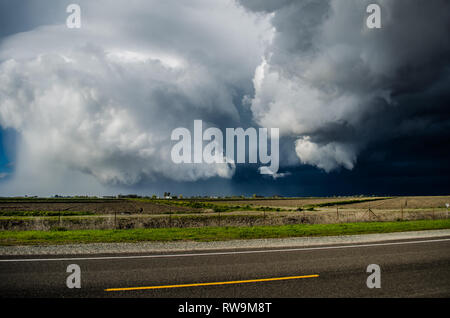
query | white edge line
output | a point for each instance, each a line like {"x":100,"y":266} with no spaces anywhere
{"x":219,"y":253}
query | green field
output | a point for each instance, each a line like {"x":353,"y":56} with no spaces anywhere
{"x":214,"y":233}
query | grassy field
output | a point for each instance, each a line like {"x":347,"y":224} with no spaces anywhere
{"x":211,"y":205}
{"x":213,"y":233}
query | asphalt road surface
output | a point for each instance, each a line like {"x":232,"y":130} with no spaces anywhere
{"x":411,"y":268}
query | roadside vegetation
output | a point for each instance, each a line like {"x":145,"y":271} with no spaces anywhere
{"x":62,"y":236}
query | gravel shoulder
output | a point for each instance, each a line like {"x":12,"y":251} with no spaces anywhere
{"x":151,"y":247}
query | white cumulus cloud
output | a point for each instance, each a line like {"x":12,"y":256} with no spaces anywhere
{"x":103,"y":100}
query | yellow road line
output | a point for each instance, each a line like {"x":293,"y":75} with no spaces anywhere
{"x":215,"y":283}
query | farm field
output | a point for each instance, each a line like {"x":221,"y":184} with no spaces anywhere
{"x":297,"y":202}
{"x":416,"y":202}
{"x":89,"y":214}
{"x":108,"y":206}
{"x":158,"y":206}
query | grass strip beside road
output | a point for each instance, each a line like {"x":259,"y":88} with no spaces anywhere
{"x":213,"y":233}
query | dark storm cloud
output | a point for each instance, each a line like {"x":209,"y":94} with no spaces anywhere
{"x":339,"y":86}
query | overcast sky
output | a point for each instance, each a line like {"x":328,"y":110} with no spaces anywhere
{"x":91,"y":110}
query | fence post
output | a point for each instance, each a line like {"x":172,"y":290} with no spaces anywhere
{"x":115,"y":220}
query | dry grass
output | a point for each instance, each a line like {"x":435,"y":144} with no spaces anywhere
{"x":291,"y":203}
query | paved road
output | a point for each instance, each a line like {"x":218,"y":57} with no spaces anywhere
{"x":410,"y":268}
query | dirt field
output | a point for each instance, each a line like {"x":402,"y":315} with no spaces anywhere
{"x":97,"y":207}
{"x":149,"y":207}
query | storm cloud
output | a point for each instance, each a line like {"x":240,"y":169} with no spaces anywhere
{"x":337,"y":86}
{"x":95,"y":107}
{"x":104,"y":99}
